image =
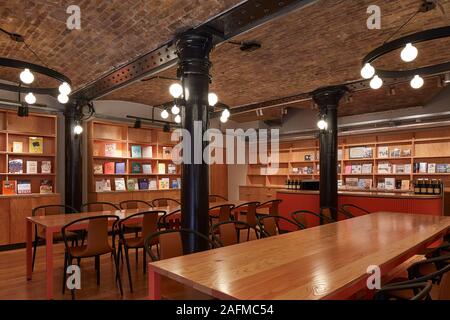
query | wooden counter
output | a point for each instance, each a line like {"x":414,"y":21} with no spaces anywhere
{"x":371,"y":194}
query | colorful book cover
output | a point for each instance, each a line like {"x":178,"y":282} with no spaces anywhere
{"x":423,"y":166}
{"x":395,"y":153}
{"x":23,"y":187}
{"x":103,"y":185}
{"x":147,"y":168}
{"x":407,"y":168}
{"x":432,"y":168}
{"x":161,"y":168}
{"x":17,"y":147}
{"x":46,"y":186}
{"x":348,"y":169}
{"x":174,"y":184}
{"x":152,"y":184}
{"x":119,"y":184}
{"x":384,"y":168}
{"x":366,"y":168}
{"x":136,"y":151}
{"x":9,"y":187}
{"x":351,"y":182}
{"x":15,"y":166}
{"x":171,"y":168}
{"x":109,"y":167}
{"x":136,"y":167}
{"x":356,"y":169}
{"x":441,"y":168}
{"x":383,"y":152}
{"x":46,"y":166}
{"x":110,"y":149}
{"x":132,"y":185}
{"x":167,"y":152}
{"x":120,"y":167}
{"x":164,"y":184}
{"x":389,"y":183}
{"x":32,"y":167}
{"x":368,"y":153}
{"x":147,"y":152}
{"x":36,"y":145}
{"x":405,"y":184}
{"x":98,"y":168}
{"x":143,"y":184}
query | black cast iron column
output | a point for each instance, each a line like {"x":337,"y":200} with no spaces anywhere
{"x":193,"y":50}
{"x":73,"y":171}
{"x":328,"y":100}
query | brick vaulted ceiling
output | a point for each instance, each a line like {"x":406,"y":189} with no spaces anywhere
{"x":319,"y":45}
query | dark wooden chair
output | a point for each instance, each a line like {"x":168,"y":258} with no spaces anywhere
{"x":98,"y":207}
{"x":216,"y":197}
{"x":270,"y":225}
{"x":417,"y":290}
{"x":249,"y":216}
{"x":135,"y":204}
{"x":170,"y":220}
{"x":301,"y":217}
{"x":220,"y":213}
{"x":353,"y":210}
{"x":164,"y":202}
{"x":272,"y":205}
{"x":226,"y":233}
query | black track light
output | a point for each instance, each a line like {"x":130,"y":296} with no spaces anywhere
{"x":138,"y":124}
{"x":22,"y":111}
{"x":166,"y":128}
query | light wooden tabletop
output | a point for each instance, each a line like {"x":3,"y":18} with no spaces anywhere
{"x":313,"y":264}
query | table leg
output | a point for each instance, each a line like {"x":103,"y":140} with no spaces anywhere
{"x":154,"y":285}
{"x":49,"y":262}
{"x":29,"y":243}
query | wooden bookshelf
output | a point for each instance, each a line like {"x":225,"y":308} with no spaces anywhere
{"x":15,"y":207}
{"x":103,"y":134}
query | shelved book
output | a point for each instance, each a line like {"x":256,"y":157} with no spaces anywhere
{"x":383,"y":152}
{"x":136,"y":167}
{"x":17,"y":147}
{"x":384,"y":168}
{"x":161,"y":168}
{"x":132,"y":185}
{"x":46,"y":166}
{"x":389,"y":183}
{"x":351,"y":182}
{"x":36,"y":145}
{"x":46,"y":186}
{"x":109,"y":167}
{"x":9,"y":187}
{"x":119,"y":184}
{"x":366,"y":168}
{"x":32,"y":167}
{"x":432,"y":168}
{"x":143,"y":184}
{"x":102,"y":185}
{"x":23,"y":187}
{"x":164,"y":184}
{"x":136,"y":151}
{"x":152,"y":184}
{"x":98,"y":168}
{"x":167,"y":152}
{"x":147,"y":152}
{"x":171,"y":168}
{"x":147,"y":169}
{"x":110,"y":149}
{"x":365,"y":183}
{"x":120,"y":167}
{"x":15,"y":166}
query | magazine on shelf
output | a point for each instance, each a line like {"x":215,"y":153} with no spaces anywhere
{"x":366,"y":168}
{"x":389,"y":183}
{"x":35,"y":145}
{"x":46,"y":166}
{"x":46,"y":186}
{"x":356,"y":169}
{"x":136,"y":167}
{"x":143,"y":184}
{"x":147,"y":152}
{"x":164,"y":184}
{"x":161,"y":168}
{"x":167,"y":152}
{"x":23,"y":187}
{"x":383,"y":152}
{"x":384,"y":168}
{"x":32,"y":167}
{"x":119,"y":184}
{"x":132,"y":185}
{"x":136,"y":151}
{"x":98,"y":168}
{"x":15,"y":166}
{"x":103,"y":185}
{"x":147,"y":169}
{"x":432,"y":168}
{"x":110,"y":149}
{"x":17,"y":147}
{"x":109,"y":167}
{"x":9,"y":187}
{"x":152,"y":184}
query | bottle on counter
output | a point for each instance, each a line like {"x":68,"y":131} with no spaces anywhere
{"x":423,"y":187}
{"x":417,"y":187}
{"x":286,"y":184}
{"x":430,"y":187}
{"x":296,"y":185}
{"x":437,"y":187}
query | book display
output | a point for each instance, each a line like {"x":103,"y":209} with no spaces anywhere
{"x":137,"y":160}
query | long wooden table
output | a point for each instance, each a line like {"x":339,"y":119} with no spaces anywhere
{"x":325,"y":262}
{"x":54,"y":223}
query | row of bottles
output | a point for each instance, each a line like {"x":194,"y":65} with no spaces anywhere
{"x":293,"y":184}
{"x":427,"y":186}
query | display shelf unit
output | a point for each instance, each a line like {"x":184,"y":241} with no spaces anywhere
{"x":120,"y":138}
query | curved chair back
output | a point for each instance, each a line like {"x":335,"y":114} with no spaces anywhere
{"x":223,"y":210}
{"x":269,"y":225}
{"x":250,"y":209}
{"x":49,"y":210}
{"x":170,"y":220}
{"x":98,"y":207}
{"x":352,"y":210}
{"x":164,"y":202}
{"x":309,"y":219}
{"x":135,"y":204}
{"x":97,"y":234}
{"x":273,"y":205}
{"x":148,"y":224}
{"x":419,"y":290}
{"x":227,"y":232}
{"x":216,"y":197}
{"x":171,"y":244}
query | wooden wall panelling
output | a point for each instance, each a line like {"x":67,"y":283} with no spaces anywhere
{"x":4,"y":221}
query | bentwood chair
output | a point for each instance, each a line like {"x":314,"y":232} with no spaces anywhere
{"x":97,"y":245}
{"x":216,"y":197}
{"x":98,"y":207}
{"x":272,"y":205}
{"x":327,"y":212}
{"x":171,"y":244}
{"x":170,"y":220}
{"x":149,"y":225}
{"x":304,"y":217}
{"x":353,"y":210}
{"x":249,"y":217}
{"x":270,"y":225}
{"x":164,"y":202}
{"x":417,"y":291}
{"x":226,"y":233}
{"x":135,"y":204}
{"x":39,"y":232}
{"x":220,"y":213}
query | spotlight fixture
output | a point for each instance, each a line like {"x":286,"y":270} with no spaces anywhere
{"x":322,"y":124}
{"x":62,"y":98}
{"x":26,"y":76}
{"x":30,"y":98}
{"x":376,"y":82}
{"x":177,"y":118}
{"x":164,"y":114}
{"x":417,"y":82}
{"x":78,"y":129}
{"x":223,"y":119}
{"x":409,"y":53}
{"x":166,"y":128}
{"x":176,"y":90}
{"x":22,"y":111}
{"x":447,"y":78}
{"x":367,"y":71}
{"x":138,"y":124}
{"x":212,"y":99}
{"x":65,"y":89}
{"x":175,"y":109}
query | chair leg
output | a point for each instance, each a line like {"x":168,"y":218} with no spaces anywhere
{"x":34,"y":251}
{"x":97,"y":267}
{"x":127,"y":258}
{"x":248,"y":234}
{"x":137,"y":252}
{"x":64,"y":272}
{"x":144,"y":261}
{"x":238,"y":235}
{"x":116,"y":262}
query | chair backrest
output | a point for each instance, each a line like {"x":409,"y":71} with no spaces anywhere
{"x":171,"y":243}
{"x":48,"y":210}
{"x":98,"y":207}
{"x":327,"y":212}
{"x":269,"y":224}
{"x":135,"y":204}
{"x":305,"y":218}
{"x":250,"y":209}
{"x":164,"y":202}
{"x":419,"y":290}
{"x":149,"y":223}
{"x":216,"y":197}
{"x":273,"y":206}
{"x":97,"y":233}
{"x":224,"y":212}
{"x":225,"y":233}
{"x":353,"y":210}
{"x":171,"y":220}
{"x":444,"y":287}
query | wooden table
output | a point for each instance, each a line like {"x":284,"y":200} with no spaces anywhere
{"x":54,"y":223}
{"x":325,"y":262}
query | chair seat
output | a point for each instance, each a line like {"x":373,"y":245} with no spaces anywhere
{"x":81,"y":251}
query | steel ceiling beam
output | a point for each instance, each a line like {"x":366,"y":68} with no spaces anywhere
{"x":233,"y":22}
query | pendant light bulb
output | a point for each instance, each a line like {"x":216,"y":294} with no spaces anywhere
{"x":164,"y":114}
{"x":223,"y":119}
{"x":62,"y":98}
{"x":367,"y":71}
{"x":417,"y":82}
{"x":178,"y":118}
{"x":322,"y":124}
{"x":175,"y":109}
{"x":226,"y":113}
{"x":409,"y":53}
{"x":26,"y":76}
{"x":176,"y":90}
{"x":30,"y":98}
{"x":376,"y":82}
{"x":212,"y":99}
{"x":65,"y":89}
{"x":78,"y":129}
